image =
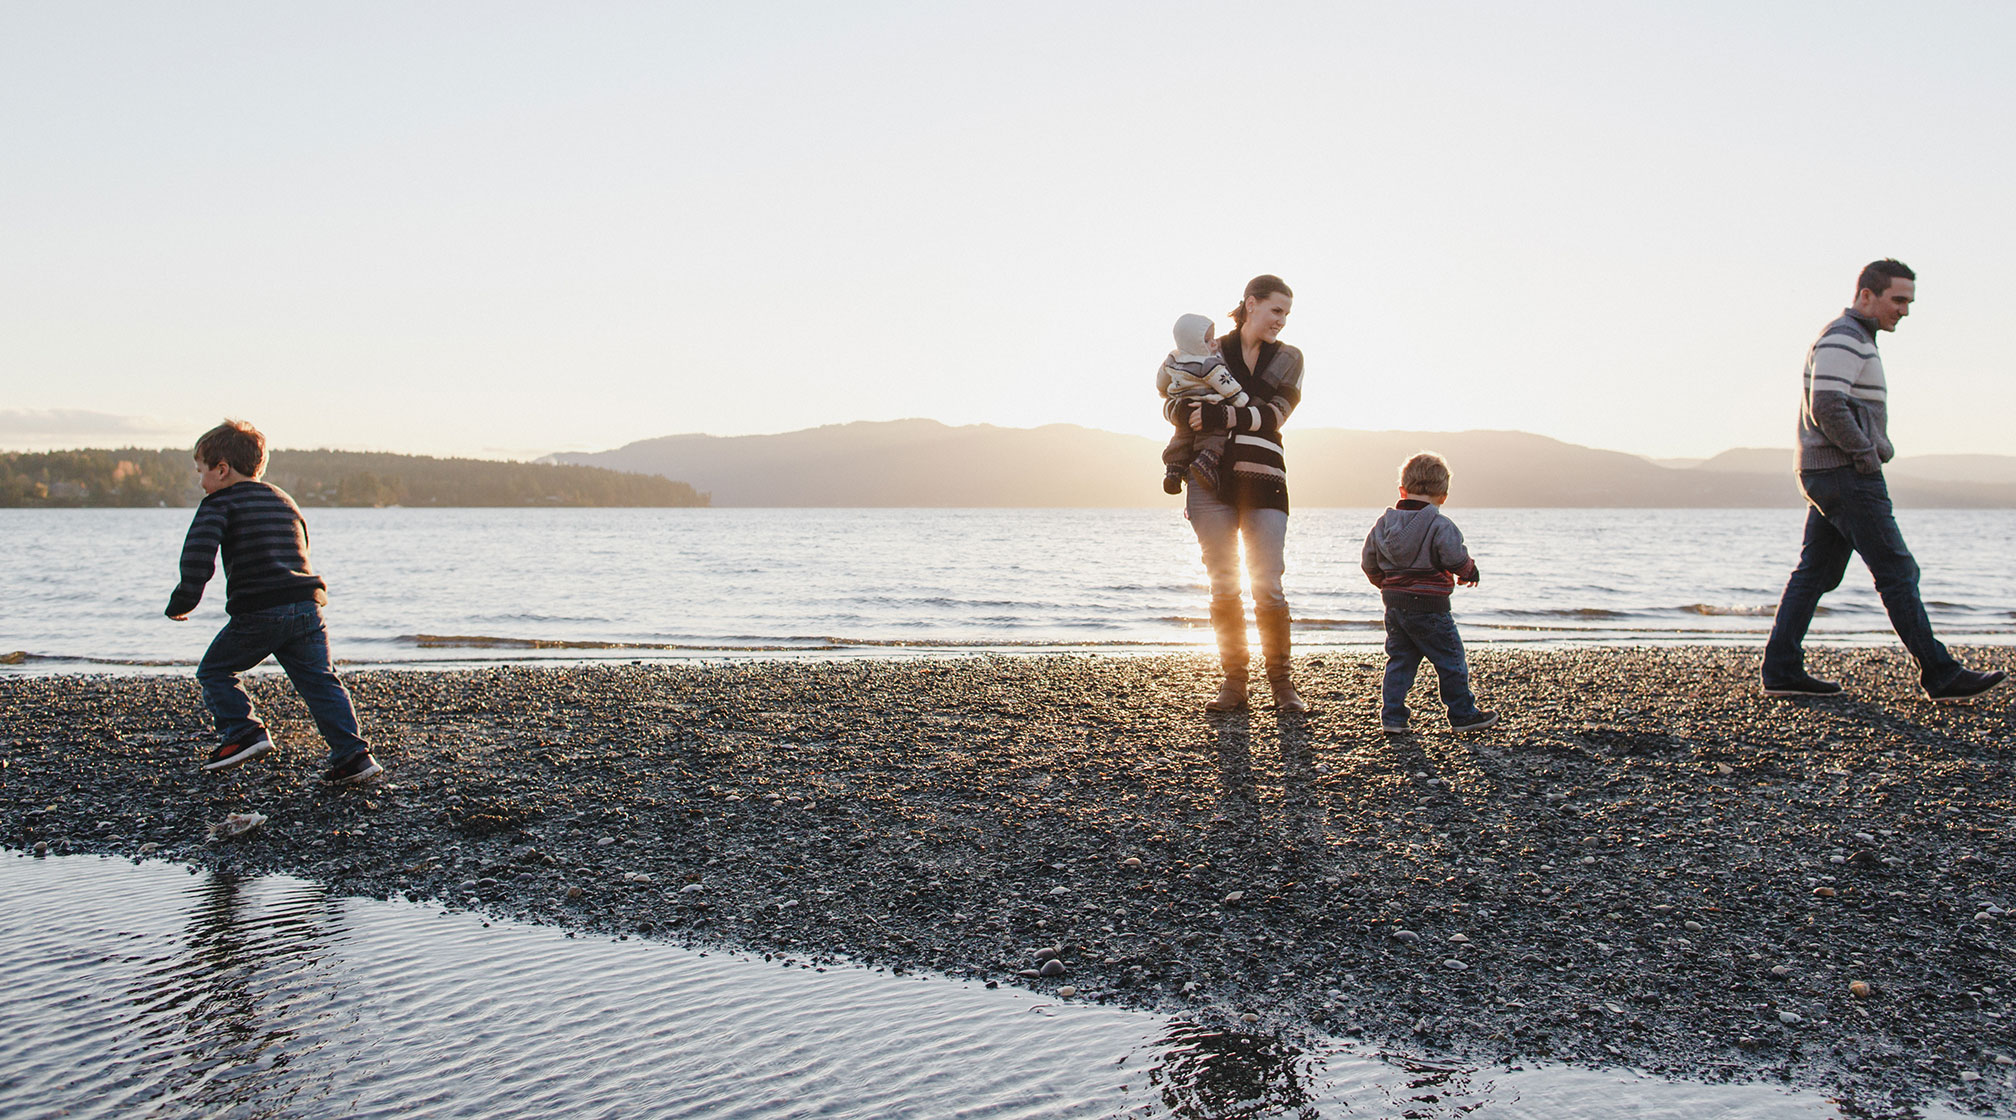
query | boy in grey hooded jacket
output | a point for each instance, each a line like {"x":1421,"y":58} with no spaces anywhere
{"x":1415,"y":557}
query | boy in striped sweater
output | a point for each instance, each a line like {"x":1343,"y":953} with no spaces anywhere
{"x":1415,"y":557}
{"x":275,"y":600}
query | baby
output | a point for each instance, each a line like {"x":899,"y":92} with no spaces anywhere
{"x":1194,"y":372}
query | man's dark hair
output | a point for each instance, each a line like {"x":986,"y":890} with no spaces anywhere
{"x":234,"y":442}
{"x":1876,"y":275}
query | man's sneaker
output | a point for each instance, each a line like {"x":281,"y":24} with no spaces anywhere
{"x":231,"y":754}
{"x":1393,"y":728}
{"x":1478,"y":722}
{"x":1966,"y":685}
{"x":1801,"y":685}
{"x":357,"y":768}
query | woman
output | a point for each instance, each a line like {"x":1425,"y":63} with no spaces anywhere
{"x":1251,"y":499}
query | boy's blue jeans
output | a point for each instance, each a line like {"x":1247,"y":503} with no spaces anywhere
{"x":1410,"y":637}
{"x":294,"y":636}
{"x":1850,"y":514}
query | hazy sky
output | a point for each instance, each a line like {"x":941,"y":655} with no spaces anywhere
{"x":506,"y":229}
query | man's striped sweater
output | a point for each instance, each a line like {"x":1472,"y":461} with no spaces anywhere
{"x":265,"y":545}
{"x":1844,"y":414}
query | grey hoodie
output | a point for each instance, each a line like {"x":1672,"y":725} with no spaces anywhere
{"x":1414,"y":556}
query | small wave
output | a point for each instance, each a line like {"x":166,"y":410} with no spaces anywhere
{"x":1568,"y":612}
{"x":23,"y":657}
{"x":786,"y":645}
{"x":1713,"y":611}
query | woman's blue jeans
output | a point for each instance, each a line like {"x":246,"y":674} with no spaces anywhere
{"x":1410,"y":637}
{"x":293,"y":635}
{"x":1849,"y":513}
{"x":1218,"y":526}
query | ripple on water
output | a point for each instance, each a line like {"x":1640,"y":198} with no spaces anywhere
{"x":138,"y":991}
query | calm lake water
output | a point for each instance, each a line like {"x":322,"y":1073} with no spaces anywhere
{"x":151,"y":991}
{"x":84,"y":588}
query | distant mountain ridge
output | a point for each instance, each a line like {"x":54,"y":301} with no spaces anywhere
{"x":925,"y":463}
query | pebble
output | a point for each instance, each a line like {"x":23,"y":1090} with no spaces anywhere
{"x":2004,"y":1060}
{"x":1780,"y":971}
{"x":1051,"y":967}
{"x":1823,"y":892}
{"x":1452,"y":962}
{"x":1790,"y":1017}
{"x":691,"y":888}
{"x":1060,"y":890}
{"x":1249,"y":1018}
{"x":1405,"y":935}
{"x":1131,"y":861}
{"x":41,"y":847}
{"x":1049,"y":953}
{"x":576,"y":892}
{"x":1692,"y":927}
{"x":1066,"y":992}
{"x":605,"y":841}
{"x":486,"y":881}
{"x":1236,"y":896}
{"x":1459,"y":939}
{"x":636,"y":877}
{"x":1969,"y":1075}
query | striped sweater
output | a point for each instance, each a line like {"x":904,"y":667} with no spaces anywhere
{"x":265,"y":545}
{"x":1256,"y":469}
{"x":1843,"y":414}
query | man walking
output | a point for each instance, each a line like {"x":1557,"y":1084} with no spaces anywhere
{"x":1843,"y":444}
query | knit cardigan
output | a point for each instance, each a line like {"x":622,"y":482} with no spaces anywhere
{"x":1255,"y":471}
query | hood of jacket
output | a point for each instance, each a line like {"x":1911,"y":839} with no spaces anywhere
{"x":1403,"y":538}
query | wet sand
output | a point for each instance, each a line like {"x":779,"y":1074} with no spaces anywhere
{"x":1647,"y":864}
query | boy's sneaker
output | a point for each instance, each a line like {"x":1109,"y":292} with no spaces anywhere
{"x":231,"y":754}
{"x":1966,"y":685}
{"x":357,"y":768}
{"x":1478,"y":722}
{"x":1801,"y":685}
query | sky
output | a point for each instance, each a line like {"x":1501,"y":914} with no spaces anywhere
{"x":505,"y":229}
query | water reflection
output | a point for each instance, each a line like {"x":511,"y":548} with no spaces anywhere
{"x":221,"y":1018}
{"x":1206,"y":1074}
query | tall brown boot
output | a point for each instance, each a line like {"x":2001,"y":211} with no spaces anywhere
{"x":1274,"y":647}
{"x":1228,"y":621}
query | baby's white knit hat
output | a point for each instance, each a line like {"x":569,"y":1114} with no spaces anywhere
{"x":1191,"y":331}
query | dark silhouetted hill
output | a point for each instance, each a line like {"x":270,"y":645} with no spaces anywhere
{"x":926,"y":463}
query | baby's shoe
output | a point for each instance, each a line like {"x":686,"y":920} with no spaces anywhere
{"x":1204,"y":472}
{"x":1172,"y":480}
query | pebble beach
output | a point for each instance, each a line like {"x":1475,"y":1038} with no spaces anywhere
{"x":1646,"y":864}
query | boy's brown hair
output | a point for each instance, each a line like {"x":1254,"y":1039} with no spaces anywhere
{"x":234,"y":442}
{"x":1425,"y":473}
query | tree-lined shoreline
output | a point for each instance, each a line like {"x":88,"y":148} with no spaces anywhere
{"x":149,"y":477}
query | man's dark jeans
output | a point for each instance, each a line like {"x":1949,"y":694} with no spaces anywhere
{"x":293,"y":634}
{"x":1411,"y":636}
{"x":1850,"y":514}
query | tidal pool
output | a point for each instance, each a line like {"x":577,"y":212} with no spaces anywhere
{"x":150,"y":990}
